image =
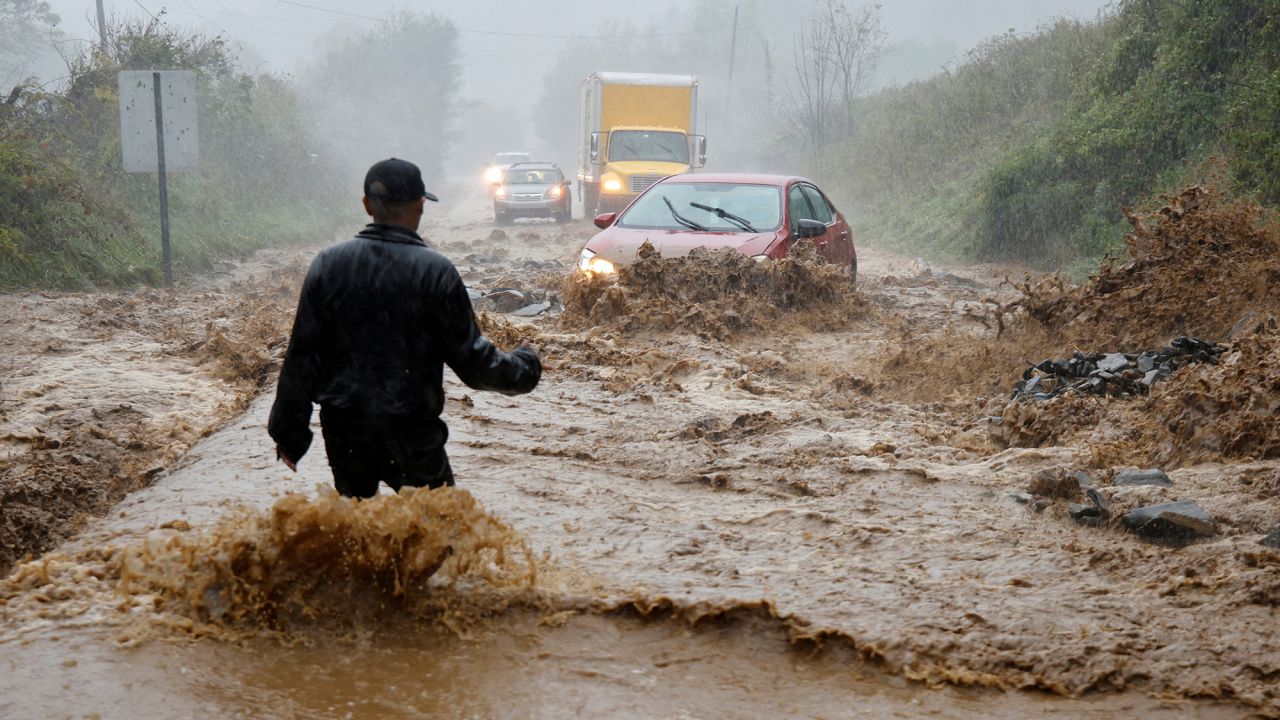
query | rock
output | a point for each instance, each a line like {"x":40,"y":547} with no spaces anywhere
{"x":1020,"y":497}
{"x":1113,"y":363}
{"x":1054,"y":483}
{"x":1082,"y":479}
{"x":1272,"y":540}
{"x":1086,"y":514}
{"x":1040,"y":504}
{"x":1182,"y":520}
{"x":1150,"y":378}
{"x":532,"y":310}
{"x":507,"y":300}
{"x":1099,"y":501}
{"x":1146,"y":362}
{"x":1151,"y":476}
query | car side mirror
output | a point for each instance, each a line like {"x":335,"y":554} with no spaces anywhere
{"x":700,"y":145}
{"x":807,"y":228}
{"x":595,"y":147}
{"x":605,"y":220}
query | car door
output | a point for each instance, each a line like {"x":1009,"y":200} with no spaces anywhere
{"x":799,"y":208}
{"x":838,"y":243}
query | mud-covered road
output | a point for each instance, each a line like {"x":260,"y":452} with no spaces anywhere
{"x":737,"y":508}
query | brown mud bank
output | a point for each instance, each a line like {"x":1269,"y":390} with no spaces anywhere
{"x":715,"y":294}
{"x":100,"y":392}
{"x":1203,"y":265}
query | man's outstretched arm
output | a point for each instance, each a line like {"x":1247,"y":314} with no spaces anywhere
{"x":475,"y":359}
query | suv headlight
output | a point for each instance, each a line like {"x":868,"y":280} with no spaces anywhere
{"x":613,"y":185}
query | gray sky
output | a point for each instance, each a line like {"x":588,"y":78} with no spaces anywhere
{"x":281,"y":34}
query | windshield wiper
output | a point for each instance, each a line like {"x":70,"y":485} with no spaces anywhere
{"x":682,"y":219}
{"x":726,"y":215}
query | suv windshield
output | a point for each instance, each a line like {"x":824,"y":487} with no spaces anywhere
{"x":512,"y":158}
{"x":759,"y":205}
{"x":646,"y":145}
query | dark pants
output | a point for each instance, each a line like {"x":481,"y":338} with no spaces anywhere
{"x":366,"y":450}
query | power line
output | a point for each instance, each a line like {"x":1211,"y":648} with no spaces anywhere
{"x":495,"y":32}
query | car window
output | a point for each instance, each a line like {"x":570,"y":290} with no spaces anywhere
{"x":521,"y":176}
{"x":822,"y":210}
{"x":800,"y":209}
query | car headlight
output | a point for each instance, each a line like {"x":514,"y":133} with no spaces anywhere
{"x":493,"y":174}
{"x":761,"y":258}
{"x":589,"y":262}
{"x":613,"y":185}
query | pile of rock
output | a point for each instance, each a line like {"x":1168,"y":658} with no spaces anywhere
{"x":1113,"y":374}
{"x":1169,"y":522}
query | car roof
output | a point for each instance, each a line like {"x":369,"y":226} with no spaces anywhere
{"x":743,"y":178}
{"x":535,"y":166}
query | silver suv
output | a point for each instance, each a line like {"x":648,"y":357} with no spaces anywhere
{"x":534,"y":189}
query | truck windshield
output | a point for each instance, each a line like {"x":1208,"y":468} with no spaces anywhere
{"x":760,"y":206}
{"x":648,"y":145}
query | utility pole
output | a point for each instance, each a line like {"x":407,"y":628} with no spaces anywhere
{"x":728,"y":84}
{"x":102,"y":29}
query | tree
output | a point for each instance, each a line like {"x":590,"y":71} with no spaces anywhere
{"x":390,"y":91}
{"x":26,"y":34}
{"x":834,"y":58}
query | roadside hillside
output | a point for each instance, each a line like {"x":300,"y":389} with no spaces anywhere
{"x":1027,"y":150}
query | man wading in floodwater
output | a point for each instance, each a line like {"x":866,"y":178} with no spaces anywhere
{"x":378,"y":317}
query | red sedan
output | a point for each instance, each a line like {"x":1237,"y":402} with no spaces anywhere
{"x":760,"y":216}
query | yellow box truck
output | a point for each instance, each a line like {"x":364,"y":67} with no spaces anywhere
{"x":636,"y":129}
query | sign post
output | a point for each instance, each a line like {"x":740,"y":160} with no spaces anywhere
{"x":158,"y":133}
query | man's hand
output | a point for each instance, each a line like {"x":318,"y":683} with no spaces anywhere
{"x":291,"y":464}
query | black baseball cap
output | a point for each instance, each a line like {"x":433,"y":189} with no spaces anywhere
{"x":396,"y":180}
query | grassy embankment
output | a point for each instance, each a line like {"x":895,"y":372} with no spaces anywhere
{"x":1029,"y":149}
{"x":71,"y":218}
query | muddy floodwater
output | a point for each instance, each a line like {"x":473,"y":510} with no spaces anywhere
{"x":742,"y":515}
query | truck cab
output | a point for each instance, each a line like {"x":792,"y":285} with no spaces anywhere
{"x":636,"y":129}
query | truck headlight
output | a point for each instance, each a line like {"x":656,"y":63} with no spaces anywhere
{"x":590,"y":263}
{"x":613,"y":185}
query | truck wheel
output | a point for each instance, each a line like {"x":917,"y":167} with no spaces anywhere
{"x":591,"y":205}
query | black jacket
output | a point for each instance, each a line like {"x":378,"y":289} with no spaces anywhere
{"x":378,"y":318}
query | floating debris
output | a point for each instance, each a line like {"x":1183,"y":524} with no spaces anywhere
{"x":1113,"y":374}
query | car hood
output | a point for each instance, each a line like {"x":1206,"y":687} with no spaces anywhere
{"x":619,"y":245}
{"x":529,"y":187}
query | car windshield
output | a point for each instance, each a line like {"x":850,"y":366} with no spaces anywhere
{"x":511,"y":158}
{"x":533,"y":176}
{"x":759,"y":205}
{"x":645,"y":145}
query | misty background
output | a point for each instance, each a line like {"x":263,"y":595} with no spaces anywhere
{"x":517,"y":65}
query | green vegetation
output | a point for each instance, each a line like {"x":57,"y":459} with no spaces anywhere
{"x":1029,"y":149}
{"x":70,"y":217}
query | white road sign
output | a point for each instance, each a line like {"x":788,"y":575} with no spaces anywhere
{"x":138,"y":120}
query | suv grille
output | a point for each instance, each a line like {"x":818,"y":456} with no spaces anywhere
{"x":640,"y":183}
